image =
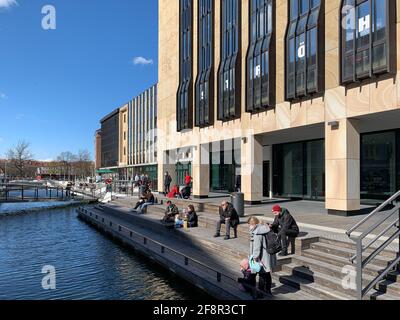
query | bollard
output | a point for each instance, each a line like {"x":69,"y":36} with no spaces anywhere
{"x":237,"y":199}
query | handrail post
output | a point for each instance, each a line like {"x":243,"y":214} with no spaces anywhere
{"x":359,"y":277}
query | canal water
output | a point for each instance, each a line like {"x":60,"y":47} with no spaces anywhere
{"x":88,"y":265}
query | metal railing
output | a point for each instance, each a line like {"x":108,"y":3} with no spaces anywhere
{"x":387,"y":235}
{"x":26,"y":192}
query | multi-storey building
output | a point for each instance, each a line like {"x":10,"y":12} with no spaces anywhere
{"x":128,"y":138}
{"x":286,"y":98}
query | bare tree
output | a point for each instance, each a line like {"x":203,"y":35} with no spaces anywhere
{"x":84,"y":164}
{"x":19,"y":157}
{"x":66,"y":159}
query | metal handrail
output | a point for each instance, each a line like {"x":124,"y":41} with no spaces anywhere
{"x":377,"y":210}
{"x":361,"y":262}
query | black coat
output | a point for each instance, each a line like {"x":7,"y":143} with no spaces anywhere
{"x":285,"y":222}
{"x":230,"y":214}
{"x":192,"y":219}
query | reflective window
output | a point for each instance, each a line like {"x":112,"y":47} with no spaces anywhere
{"x":204,"y":83}
{"x":184,"y":96}
{"x":365,"y":39}
{"x":229,"y":69}
{"x":260,"y":56}
{"x":302,"y":45}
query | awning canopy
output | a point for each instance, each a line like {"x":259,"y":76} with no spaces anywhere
{"x":104,"y":171}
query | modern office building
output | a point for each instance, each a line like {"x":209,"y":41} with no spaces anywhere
{"x":287,"y":98}
{"x":128,"y":138}
{"x":142,"y":135}
{"x":110,"y":140}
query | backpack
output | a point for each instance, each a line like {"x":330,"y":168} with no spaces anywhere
{"x":274,"y":245}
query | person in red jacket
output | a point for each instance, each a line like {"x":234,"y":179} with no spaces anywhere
{"x":174,"y":191}
{"x":188,"y":179}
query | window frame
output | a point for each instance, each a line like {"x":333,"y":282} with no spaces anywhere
{"x":302,"y":26}
{"x":204,"y":107}
{"x":389,"y":42}
{"x":184,"y":105}
{"x":261,"y":52}
{"x":229,"y":99}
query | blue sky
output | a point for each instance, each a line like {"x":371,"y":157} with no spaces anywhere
{"x":55,"y":85}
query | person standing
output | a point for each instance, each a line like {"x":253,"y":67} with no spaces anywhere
{"x":137,"y":179}
{"x":229,"y":217}
{"x":167,"y":183}
{"x":285,"y":226}
{"x":258,"y":251}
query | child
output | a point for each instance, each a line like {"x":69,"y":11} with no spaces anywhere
{"x":248,"y":282}
{"x":178,"y":221}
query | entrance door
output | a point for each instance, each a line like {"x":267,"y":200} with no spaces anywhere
{"x":266,"y":177}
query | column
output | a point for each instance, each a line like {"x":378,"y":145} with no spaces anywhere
{"x":201,"y":171}
{"x":252,"y":174}
{"x":342,"y":153}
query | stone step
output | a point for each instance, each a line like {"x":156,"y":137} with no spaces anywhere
{"x":310,"y":287}
{"x":230,"y":263}
{"x":338,"y":261}
{"x":346,"y":253}
{"x":331,"y":277}
{"x":352,"y":245}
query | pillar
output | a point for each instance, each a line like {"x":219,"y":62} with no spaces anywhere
{"x":201,"y":171}
{"x":342,"y":153}
{"x":252,"y":174}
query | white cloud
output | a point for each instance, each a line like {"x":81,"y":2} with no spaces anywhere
{"x":2,"y":94}
{"x":8,"y":3}
{"x":19,"y":116}
{"x":142,"y":61}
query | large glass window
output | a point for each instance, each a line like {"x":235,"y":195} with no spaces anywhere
{"x":260,"y":56}
{"x":303,"y":44}
{"x":299,"y":170}
{"x":204,"y":84}
{"x":229,"y":69}
{"x":225,"y":168}
{"x":379,"y":164}
{"x":185,"y":93}
{"x":365,"y":38}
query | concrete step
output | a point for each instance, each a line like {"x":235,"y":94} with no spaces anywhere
{"x":338,"y":261}
{"x":310,"y":287}
{"x":346,"y":253}
{"x":352,"y":246}
{"x":331,"y":277}
{"x":230,"y":264}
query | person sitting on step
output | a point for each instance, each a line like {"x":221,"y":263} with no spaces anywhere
{"x":192,"y":218}
{"x":142,"y":200}
{"x":229,"y":217}
{"x":285,"y":226}
{"x":170,"y":212}
{"x":149,"y":201}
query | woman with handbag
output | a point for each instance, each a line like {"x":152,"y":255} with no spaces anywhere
{"x":258,"y":252}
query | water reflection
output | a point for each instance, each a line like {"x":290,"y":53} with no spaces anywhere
{"x":88,"y":265}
